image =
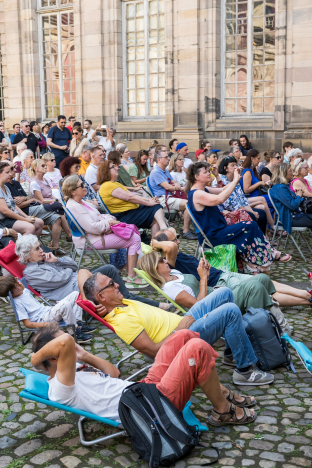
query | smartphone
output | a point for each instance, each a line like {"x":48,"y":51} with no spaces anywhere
{"x":18,"y":166}
{"x":103,"y":126}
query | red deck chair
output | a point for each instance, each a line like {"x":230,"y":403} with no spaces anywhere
{"x":89,"y":308}
{"x":9,"y":261}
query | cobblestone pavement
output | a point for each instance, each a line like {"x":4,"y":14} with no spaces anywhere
{"x":34,"y":435}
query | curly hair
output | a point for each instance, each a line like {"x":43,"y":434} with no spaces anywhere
{"x":67,"y":163}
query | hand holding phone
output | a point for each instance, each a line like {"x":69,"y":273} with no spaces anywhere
{"x":103,"y":126}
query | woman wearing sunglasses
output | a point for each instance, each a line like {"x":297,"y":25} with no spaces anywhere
{"x":98,"y":228}
{"x":71,"y":166}
{"x":53,"y":175}
{"x":4,"y":154}
{"x":77,"y":143}
{"x":274,"y":158}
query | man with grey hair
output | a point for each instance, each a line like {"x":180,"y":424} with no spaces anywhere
{"x":55,"y":277}
{"x":85,"y":158}
{"x":294,"y":154}
{"x":20,"y":147}
{"x":27,"y":137}
{"x":164,"y":187}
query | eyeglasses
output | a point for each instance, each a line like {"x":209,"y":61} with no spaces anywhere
{"x":77,"y":166}
{"x":180,"y":159}
{"x":110,"y":285}
{"x":113,"y":166}
{"x":31,"y":157}
{"x":166,"y":157}
{"x":80,"y":186}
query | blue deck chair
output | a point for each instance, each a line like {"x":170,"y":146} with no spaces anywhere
{"x":296,"y":230}
{"x":37,"y":389}
{"x":29,"y":331}
{"x":104,"y":206}
{"x":198,"y":229}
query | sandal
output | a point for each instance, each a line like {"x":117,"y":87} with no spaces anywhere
{"x":131,"y":284}
{"x":223,"y":419}
{"x":69,"y":239}
{"x":283,"y":254}
{"x":242,"y":404}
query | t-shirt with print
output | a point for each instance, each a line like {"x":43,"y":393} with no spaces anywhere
{"x":175,"y":287}
{"x":6,"y":194}
{"x":135,"y":317}
{"x":53,"y":178}
{"x":179,"y":177}
{"x":28,"y":308}
{"x":93,"y":392}
{"x":158,"y":176}
{"x":106,"y":143}
{"x":187,"y":163}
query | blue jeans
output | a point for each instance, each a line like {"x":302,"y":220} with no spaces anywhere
{"x":216,"y":315}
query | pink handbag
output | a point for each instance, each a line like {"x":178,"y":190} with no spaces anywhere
{"x":123,"y":230}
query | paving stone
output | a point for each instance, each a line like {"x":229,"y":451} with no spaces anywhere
{"x":266,"y":420}
{"x":285,"y":448}
{"x":45,"y":457}
{"x":106,"y":453}
{"x":298,"y":439}
{"x":72,"y":442}
{"x":81,"y":451}
{"x":58,"y":431}
{"x":35,"y":427}
{"x":70,"y":461}
{"x":267,"y":464}
{"x":6,"y":442}
{"x":28,"y":447}
{"x":300,"y":461}
{"x":261,"y":444}
{"x":306,"y":450}
{"x":246,"y":462}
{"x":123,"y":448}
{"x":94,"y":461}
{"x":55,"y":415}
{"x":272,"y":456}
{"x":123,"y":461}
{"x":26,"y":417}
{"x":292,"y":401}
{"x":4,"y":461}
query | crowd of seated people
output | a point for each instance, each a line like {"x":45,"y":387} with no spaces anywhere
{"x":114,"y":196}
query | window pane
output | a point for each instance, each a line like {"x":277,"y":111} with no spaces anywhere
{"x":269,"y":88}
{"x":242,"y":89}
{"x":230,"y":75}
{"x":269,"y":104}
{"x":269,"y":72}
{"x":242,"y":105}
{"x":258,"y":73}
{"x":139,"y":97}
{"x":230,"y":90}
{"x":230,"y":106}
{"x":258,"y":89}
{"x":257,"y":105}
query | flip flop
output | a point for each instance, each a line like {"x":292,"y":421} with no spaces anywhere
{"x":132,"y":285}
{"x":283,"y":254}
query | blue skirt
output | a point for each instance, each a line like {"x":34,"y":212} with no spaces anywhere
{"x":142,"y":217}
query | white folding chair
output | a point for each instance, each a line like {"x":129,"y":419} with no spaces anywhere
{"x":296,"y":230}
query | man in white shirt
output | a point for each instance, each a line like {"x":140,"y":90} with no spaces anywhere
{"x":88,"y":131}
{"x":36,"y":315}
{"x":107,"y":142}
{"x":183,"y":363}
{"x":182,"y":148}
{"x":97,"y":157}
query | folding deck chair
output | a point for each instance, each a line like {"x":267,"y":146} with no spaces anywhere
{"x":9,"y":261}
{"x":37,"y":389}
{"x":206,"y":241}
{"x":279,"y":227}
{"x":145,"y":276}
{"x":30,"y":331}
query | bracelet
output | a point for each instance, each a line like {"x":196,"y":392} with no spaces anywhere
{"x":7,"y":232}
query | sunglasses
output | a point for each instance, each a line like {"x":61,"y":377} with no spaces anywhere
{"x":75,"y":133}
{"x":278,"y":157}
{"x":77,"y":166}
{"x":80,"y":186}
{"x":43,"y":165}
{"x":26,"y":125}
{"x":111,"y":284}
{"x":52,"y":160}
{"x":161,"y":260}
{"x":5,"y":152}
{"x":177,"y":238}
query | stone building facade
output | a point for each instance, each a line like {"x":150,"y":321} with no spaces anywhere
{"x":157,"y":69}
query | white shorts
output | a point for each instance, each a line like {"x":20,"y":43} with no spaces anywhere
{"x":173,"y":203}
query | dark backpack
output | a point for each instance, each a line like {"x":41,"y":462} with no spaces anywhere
{"x":157,"y":430}
{"x":265,"y":335}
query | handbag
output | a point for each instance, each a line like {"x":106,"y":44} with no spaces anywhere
{"x":264,"y":189}
{"x":123,"y":230}
{"x":306,"y":205}
{"x":236,"y":216}
{"x":175,"y":194}
{"x":223,"y":257}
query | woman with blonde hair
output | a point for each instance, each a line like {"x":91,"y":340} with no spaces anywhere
{"x":287,"y":200}
{"x":42,"y":191}
{"x":98,"y":228}
{"x":53,"y":175}
{"x":300,"y":169}
{"x":176,"y":169}
{"x":77,"y":143}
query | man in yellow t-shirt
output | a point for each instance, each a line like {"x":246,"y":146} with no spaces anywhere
{"x":85,"y":159}
{"x":147,"y":328}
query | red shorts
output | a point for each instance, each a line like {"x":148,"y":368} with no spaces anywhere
{"x":183,"y":362}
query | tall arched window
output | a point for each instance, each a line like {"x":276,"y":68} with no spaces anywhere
{"x":56,"y":26}
{"x":144,"y":59}
{"x":248,"y":57}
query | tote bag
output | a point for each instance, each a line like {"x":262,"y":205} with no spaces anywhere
{"x":223,"y":257}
